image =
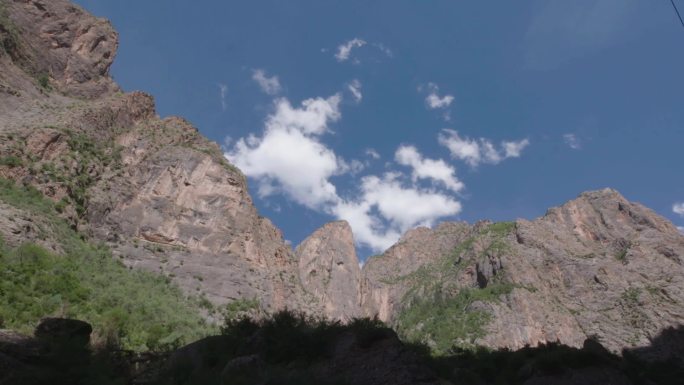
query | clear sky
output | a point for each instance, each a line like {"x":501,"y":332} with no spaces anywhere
{"x":398,"y":113}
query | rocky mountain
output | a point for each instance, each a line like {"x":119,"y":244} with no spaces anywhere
{"x":598,"y":266}
{"x":164,"y":199}
{"x":158,"y":193}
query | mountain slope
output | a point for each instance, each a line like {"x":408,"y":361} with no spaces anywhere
{"x":598,"y":266}
{"x":158,"y":193}
{"x":164,"y":199}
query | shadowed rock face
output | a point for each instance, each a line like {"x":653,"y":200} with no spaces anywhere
{"x":329,"y":269}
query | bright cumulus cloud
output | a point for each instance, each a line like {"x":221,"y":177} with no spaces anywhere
{"x":270,"y":85}
{"x":436,"y":170}
{"x":344,"y":50}
{"x":289,"y":158}
{"x":386,"y":207}
{"x":477,"y":151}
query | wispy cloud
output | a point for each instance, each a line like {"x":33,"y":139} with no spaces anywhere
{"x":371,"y":152}
{"x":344,"y":50}
{"x":477,"y":151}
{"x":269,"y":85}
{"x":384,"y":49}
{"x":572,"y":141}
{"x":355,"y":88}
{"x":223,"y":91}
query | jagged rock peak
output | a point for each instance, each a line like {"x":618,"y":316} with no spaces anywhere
{"x":609,"y":210}
{"x":329,"y":269}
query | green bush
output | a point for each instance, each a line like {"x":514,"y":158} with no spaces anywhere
{"x":11,"y":161}
{"x":446,"y":321}
{"x":130,"y":308}
{"x":44,"y":81}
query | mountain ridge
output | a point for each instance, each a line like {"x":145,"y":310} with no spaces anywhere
{"x":165,"y":200}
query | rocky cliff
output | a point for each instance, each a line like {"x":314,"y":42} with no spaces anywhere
{"x":329,"y":270}
{"x":158,"y":193}
{"x":598,"y":266}
{"x":164,"y":199}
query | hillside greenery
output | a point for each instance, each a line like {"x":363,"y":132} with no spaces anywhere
{"x":443,"y":322}
{"x":128,"y":308}
{"x":437,"y":310}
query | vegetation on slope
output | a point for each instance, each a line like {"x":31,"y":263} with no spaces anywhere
{"x":439,"y":311}
{"x":134,"y":309}
{"x":443,"y":322}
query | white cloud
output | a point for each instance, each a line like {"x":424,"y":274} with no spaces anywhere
{"x":387,"y":208}
{"x":289,"y":158}
{"x":371,"y":152}
{"x":355,"y":88}
{"x":223,"y":90}
{"x":434,"y":101}
{"x":344,"y":49}
{"x":436,"y":170}
{"x":514,"y":149}
{"x":476,"y":151}
{"x":681,"y":229}
{"x":572,"y":141}
{"x":311,"y":118}
{"x":270,"y":85}
{"x":678,"y":208}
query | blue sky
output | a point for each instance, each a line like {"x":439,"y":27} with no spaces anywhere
{"x":393,"y":114}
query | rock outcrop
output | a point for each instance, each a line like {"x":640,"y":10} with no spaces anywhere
{"x":329,"y":270}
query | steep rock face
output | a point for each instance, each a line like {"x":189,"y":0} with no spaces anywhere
{"x":381,"y":293}
{"x":598,"y":266}
{"x":329,"y":269}
{"x":158,"y":193}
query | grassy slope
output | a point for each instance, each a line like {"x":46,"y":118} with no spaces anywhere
{"x":135,"y":309}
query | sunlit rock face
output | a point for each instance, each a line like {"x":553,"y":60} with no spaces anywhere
{"x":598,"y":266}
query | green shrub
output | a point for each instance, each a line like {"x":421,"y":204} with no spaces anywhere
{"x":501,"y":229}
{"x":11,"y":161}
{"x":443,"y":322}
{"x":134,"y":309}
{"x":44,"y":81}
